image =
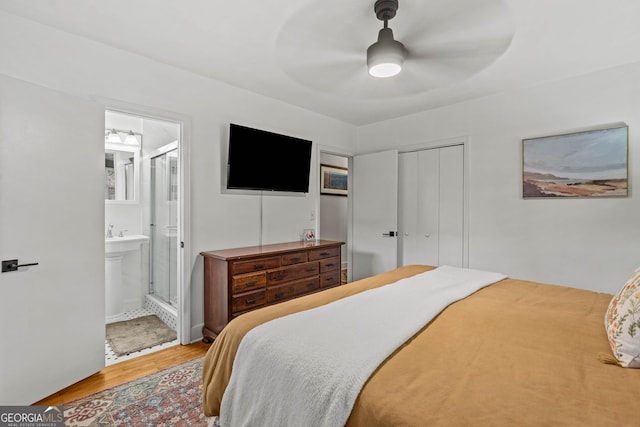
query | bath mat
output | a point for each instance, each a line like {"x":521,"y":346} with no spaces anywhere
{"x":133,"y":335}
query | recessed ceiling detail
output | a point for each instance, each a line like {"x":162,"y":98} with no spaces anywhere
{"x":323,"y":45}
{"x":312,"y":53}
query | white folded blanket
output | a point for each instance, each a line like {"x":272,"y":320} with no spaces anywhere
{"x":307,"y":369}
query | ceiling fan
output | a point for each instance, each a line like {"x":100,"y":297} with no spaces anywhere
{"x":386,"y":56}
{"x":323,"y":45}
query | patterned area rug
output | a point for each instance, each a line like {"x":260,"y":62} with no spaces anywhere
{"x":171,"y":397}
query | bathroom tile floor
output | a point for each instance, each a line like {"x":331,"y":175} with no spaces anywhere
{"x":111,"y":357}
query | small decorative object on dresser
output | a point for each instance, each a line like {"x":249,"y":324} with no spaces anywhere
{"x":243,"y":279}
{"x":309,"y":234}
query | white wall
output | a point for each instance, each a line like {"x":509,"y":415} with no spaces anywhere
{"x":67,"y":63}
{"x":586,"y":243}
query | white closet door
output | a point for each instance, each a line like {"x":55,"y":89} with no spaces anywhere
{"x":428,"y":206}
{"x":431,"y":205}
{"x":418,"y":215}
{"x":408,"y":209}
{"x":451,"y":237}
{"x":375,"y":213}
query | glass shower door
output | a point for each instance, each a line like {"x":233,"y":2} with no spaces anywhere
{"x":164,"y":226}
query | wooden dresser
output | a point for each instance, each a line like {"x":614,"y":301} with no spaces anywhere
{"x":243,"y":279}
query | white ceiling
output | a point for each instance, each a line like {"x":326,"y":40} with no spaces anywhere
{"x":312,"y":53}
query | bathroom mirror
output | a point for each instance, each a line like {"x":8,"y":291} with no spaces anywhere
{"x":121,"y":164}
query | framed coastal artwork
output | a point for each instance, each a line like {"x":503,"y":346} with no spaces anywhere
{"x":333,"y":180}
{"x":592,"y":163}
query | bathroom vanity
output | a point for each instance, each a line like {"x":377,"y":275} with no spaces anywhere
{"x":115,"y":248}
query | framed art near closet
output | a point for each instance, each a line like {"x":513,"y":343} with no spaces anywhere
{"x":333,"y":180}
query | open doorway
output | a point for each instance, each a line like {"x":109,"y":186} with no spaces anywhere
{"x":334,"y":205}
{"x":143,"y":202}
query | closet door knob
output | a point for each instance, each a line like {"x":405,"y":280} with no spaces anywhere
{"x":427,"y":235}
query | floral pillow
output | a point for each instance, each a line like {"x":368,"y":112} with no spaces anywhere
{"x":622,"y":321}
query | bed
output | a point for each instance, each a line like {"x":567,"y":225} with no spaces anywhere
{"x":512,"y":353}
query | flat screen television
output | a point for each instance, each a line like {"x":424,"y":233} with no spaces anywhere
{"x":267,"y":161}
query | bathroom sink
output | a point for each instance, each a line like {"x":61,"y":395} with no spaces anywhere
{"x":114,"y":246}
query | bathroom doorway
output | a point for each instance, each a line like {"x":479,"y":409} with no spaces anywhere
{"x":143,"y":204}
{"x":334,"y":205}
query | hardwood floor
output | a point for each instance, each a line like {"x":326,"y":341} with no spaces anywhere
{"x":129,"y":370}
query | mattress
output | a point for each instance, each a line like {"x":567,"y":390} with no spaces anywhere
{"x":514,"y":353}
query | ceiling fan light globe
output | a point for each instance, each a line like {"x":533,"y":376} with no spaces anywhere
{"x":386,"y":56}
{"x":385,"y":70}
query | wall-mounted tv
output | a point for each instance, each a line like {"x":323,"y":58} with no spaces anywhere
{"x":267,"y":161}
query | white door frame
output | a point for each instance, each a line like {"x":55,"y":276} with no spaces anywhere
{"x":349,"y":155}
{"x":184,"y":331}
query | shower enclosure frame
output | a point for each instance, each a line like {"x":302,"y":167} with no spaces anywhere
{"x":169,"y":188}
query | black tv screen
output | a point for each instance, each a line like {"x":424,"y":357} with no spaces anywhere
{"x":267,"y":161}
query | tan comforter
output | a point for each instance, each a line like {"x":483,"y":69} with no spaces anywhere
{"x":515,"y":353}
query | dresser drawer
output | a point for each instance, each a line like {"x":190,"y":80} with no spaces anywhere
{"x":329,"y":264}
{"x":239,"y":267}
{"x":248,"y":282}
{"x":291,"y":289}
{"x":316,"y":254}
{"x":305,"y":285}
{"x":296,"y":271}
{"x":330,"y":279}
{"x":294,"y":258}
{"x":249,"y":300}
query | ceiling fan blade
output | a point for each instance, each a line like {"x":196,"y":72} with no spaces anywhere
{"x":446,"y":42}
{"x":443,"y":20}
{"x":333,"y":74}
{"x":480,"y":52}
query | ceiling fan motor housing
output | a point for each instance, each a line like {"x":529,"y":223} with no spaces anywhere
{"x":385,"y":55}
{"x":385,"y":9}
{"x":386,"y":47}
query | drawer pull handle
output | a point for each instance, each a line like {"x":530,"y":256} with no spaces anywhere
{"x":330,"y":265}
{"x":257,"y":266}
{"x":279,"y":294}
{"x":311,"y":285}
{"x":295,"y":259}
{"x":325,"y":253}
{"x":250,"y":284}
{"x":279,"y":277}
{"x":251,"y":301}
{"x":309,"y":270}
{"x":329,"y":279}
